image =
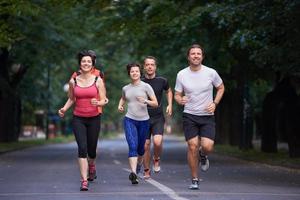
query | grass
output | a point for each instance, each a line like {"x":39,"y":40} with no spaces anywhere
{"x":11,"y":146}
{"x":277,"y":159}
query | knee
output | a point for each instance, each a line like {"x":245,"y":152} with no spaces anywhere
{"x":208,"y":148}
{"x":82,"y":153}
{"x":157,"y":143}
{"x":192,"y":147}
{"x":92,"y":154}
{"x":132,"y":153}
{"x":141,"y":151}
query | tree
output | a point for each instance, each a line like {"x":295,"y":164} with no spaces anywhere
{"x":29,"y":35}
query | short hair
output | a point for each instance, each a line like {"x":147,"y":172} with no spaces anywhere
{"x":195,"y":46}
{"x":150,"y":57}
{"x":89,"y":53}
{"x":130,"y":65}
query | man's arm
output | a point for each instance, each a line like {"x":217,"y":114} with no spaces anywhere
{"x":219,"y":94}
{"x":169,"y":95}
{"x":180,"y":99}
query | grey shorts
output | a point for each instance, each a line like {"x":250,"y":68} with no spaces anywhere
{"x":203,"y":126}
{"x":156,"y":125}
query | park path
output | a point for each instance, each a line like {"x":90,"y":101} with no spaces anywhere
{"x":50,"y":172}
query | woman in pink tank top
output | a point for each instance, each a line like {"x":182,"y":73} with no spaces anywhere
{"x":87,"y":92}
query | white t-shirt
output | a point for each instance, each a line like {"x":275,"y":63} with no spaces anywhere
{"x":198,"y":87}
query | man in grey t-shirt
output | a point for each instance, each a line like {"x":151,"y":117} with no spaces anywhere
{"x":194,"y":90}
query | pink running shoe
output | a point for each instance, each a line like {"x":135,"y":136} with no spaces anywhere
{"x":92,"y":172}
{"x":84,"y":185}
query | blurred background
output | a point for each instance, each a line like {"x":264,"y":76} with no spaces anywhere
{"x":254,"y":46}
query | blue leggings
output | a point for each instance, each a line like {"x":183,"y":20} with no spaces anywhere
{"x":136,"y":133}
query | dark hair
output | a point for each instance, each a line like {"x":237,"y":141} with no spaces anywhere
{"x":150,"y":57}
{"x":130,"y":65}
{"x":90,"y":53}
{"x":195,"y":46}
{"x":93,"y":54}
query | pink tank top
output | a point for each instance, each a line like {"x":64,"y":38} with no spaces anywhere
{"x":83,"y":95}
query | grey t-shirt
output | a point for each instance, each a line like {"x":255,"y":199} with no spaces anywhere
{"x":137,"y":110}
{"x":198,"y":87}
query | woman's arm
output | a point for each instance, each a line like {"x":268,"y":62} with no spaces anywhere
{"x":102,"y":94}
{"x":152,"y":101}
{"x":70,"y":101}
{"x":121,"y":104}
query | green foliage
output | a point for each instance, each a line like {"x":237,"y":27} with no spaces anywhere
{"x":275,"y":159}
{"x":13,"y":13}
{"x":257,"y":37}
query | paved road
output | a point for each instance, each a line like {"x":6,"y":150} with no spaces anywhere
{"x":51,"y":172}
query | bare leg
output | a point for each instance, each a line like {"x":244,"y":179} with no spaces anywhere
{"x":207,"y":145}
{"x":147,"y":154}
{"x":83,"y":167}
{"x":140,"y":160}
{"x":157,"y":142}
{"x":133,"y":163}
{"x":192,"y":156}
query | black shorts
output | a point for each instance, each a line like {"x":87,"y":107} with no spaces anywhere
{"x":156,"y":125}
{"x":203,"y":126}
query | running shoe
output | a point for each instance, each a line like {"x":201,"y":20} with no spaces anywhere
{"x":156,"y":165}
{"x":195,"y":184}
{"x":84,"y":185}
{"x":92,"y":172}
{"x":133,"y":178}
{"x":204,"y":161}
{"x":147,"y":173}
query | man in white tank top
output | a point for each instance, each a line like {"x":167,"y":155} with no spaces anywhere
{"x":194,"y":90}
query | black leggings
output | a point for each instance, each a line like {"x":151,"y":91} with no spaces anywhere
{"x":86,"y":131}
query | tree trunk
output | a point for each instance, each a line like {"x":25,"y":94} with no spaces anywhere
{"x":293,"y":129}
{"x":10,"y":104}
{"x":281,"y":118}
{"x":291,"y":110}
{"x":229,"y":117}
{"x":10,"y":118}
{"x":223,"y":127}
{"x":269,"y":114}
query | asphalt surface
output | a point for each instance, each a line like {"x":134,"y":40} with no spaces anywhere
{"x":51,"y":172}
